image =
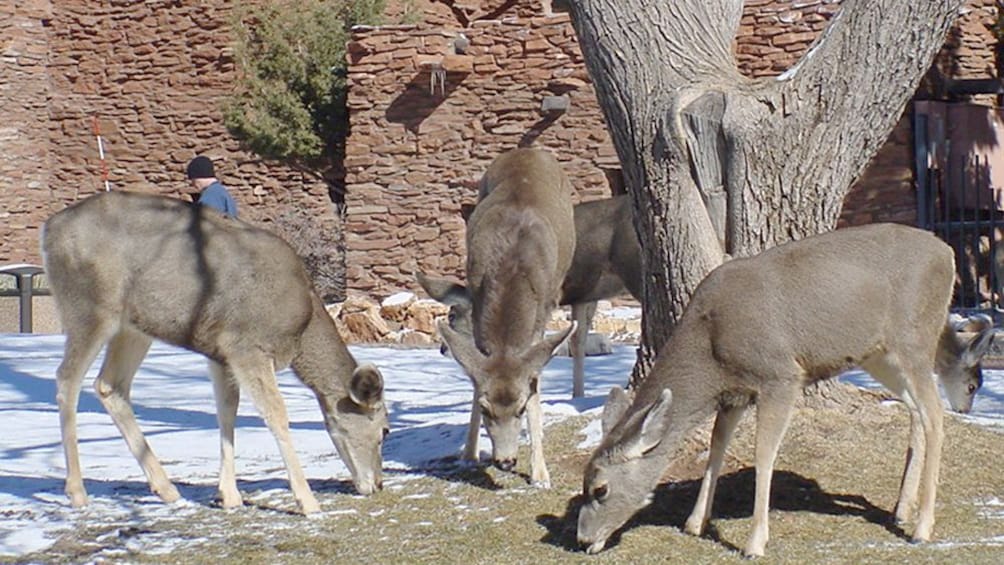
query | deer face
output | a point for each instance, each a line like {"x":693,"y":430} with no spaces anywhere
{"x":502,"y":403}
{"x":357,"y":425}
{"x":622,"y":473}
{"x":961,"y":375}
{"x":505,"y":381}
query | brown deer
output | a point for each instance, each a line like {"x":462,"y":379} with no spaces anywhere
{"x":606,"y":263}
{"x":128,"y":268}
{"x":758,"y":330}
{"x":520,"y":241}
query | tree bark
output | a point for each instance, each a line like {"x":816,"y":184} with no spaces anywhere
{"x":722,"y":165}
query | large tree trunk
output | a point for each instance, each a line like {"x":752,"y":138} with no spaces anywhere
{"x":718,"y":163}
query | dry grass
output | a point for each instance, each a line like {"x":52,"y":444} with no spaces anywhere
{"x":834,"y":487}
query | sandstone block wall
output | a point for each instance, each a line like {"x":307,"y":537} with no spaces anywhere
{"x":153,"y":75}
{"x":416,"y":154}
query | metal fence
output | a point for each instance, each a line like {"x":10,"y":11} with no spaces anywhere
{"x":21,"y":284}
{"x":959,"y":204}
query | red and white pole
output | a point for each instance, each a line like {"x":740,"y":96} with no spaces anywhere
{"x":101,"y":152}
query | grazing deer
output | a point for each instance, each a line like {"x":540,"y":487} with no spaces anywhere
{"x":127,"y":268}
{"x":758,"y":330}
{"x":520,"y":241}
{"x":606,"y":263}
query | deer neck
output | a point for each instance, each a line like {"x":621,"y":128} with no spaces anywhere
{"x":513,"y":314}
{"x":323,"y":362}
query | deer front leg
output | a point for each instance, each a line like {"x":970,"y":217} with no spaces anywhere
{"x":539,"y":475}
{"x":473,"y":429}
{"x":773,"y":407}
{"x":931,"y":417}
{"x":582,"y":315}
{"x":725,"y":425}
{"x":227,"y":395}
{"x":125,"y":353}
{"x":906,"y":505}
{"x":260,"y":381}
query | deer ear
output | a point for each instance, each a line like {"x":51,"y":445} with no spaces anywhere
{"x":978,"y":347}
{"x":366,"y":386}
{"x":542,"y":351}
{"x":444,"y":290}
{"x":613,"y":409}
{"x":463,"y":349}
{"x":653,"y":428}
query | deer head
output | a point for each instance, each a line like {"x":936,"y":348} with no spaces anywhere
{"x":958,"y":361}
{"x":505,"y":380}
{"x":626,"y":456}
{"x":357,"y":425}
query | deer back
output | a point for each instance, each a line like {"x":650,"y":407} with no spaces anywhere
{"x":607,"y":259}
{"x":520,"y":241}
{"x":178,"y":272}
{"x":807,"y":310}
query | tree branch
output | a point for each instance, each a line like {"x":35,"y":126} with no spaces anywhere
{"x":882,"y":50}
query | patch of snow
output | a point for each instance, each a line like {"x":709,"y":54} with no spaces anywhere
{"x":398,"y":299}
{"x":428,"y":397}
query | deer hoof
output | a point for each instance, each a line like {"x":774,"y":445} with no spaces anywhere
{"x":694,"y":527}
{"x":169,"y":494}
{"x":309,"y":506}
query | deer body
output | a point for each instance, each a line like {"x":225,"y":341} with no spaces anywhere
{"x":759,"y":330}
{"x":520,"y":241}
{"x":606,"y":263}
{"x":128,"y":268}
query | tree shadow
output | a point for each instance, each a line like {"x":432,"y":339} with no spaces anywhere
{"x":672,"y":503}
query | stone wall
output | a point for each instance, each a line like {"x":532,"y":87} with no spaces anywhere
{"x":24,"y":149}
{"x":415,"y":154}
{"x":153,"y":76}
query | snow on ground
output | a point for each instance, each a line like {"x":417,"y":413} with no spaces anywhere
{"x":428,"y":398}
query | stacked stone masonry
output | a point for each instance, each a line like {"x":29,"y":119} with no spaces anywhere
{"x":153,"y":74}
{"x":151,"y":77}
{"x":415,"y":153}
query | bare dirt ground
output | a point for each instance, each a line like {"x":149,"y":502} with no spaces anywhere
{"x":834,"y":489}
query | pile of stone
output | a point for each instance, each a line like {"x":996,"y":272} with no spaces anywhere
{"x":405,"y":319}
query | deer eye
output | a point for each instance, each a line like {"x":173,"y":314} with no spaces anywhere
{"x":599,"y":493}
{"x":971,"y":388}
{"x":522,"y":411}
{"x":486,"y":408}
{"x":451,"y":317}
{"x":385,"y":432}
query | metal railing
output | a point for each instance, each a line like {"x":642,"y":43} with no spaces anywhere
{"x":964,"y":213}
{"x":24,"y":276}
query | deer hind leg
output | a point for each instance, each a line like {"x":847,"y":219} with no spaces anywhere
{"x":582,"y":314}
{"x":125,"y":353}
{"x":539,"y":475}
{"x":83,"y":343}
{"x":774,"y":406}
{"x":725,"y":424}
{"x":227,"y":395}
{"x":473,"y":429}
{"x":258,"y":377}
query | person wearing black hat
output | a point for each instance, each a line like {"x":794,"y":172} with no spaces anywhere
{"x":211,"y":191}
